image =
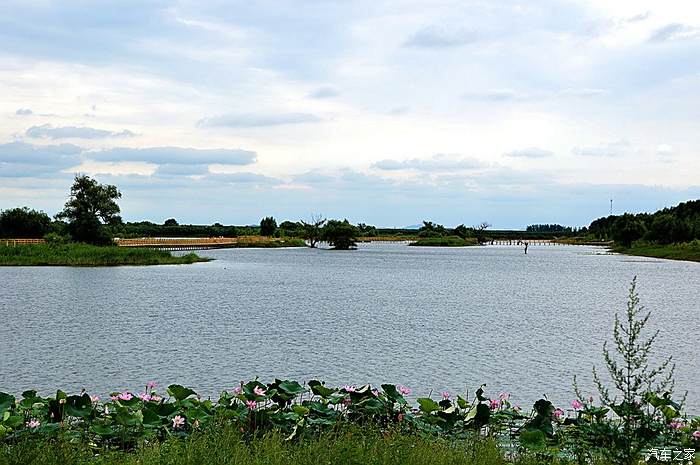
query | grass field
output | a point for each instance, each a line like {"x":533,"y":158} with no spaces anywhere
{"x":88,"y":255}
{"x":227,"y":446}
{"x":689,"y":251}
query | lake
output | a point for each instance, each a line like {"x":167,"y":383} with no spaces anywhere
{"x":429,"y":318}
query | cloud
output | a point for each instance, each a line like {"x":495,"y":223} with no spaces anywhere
{"x":664,"y":150}
{"x":511,"y":95}
{"x":24,"y":112}
{"x":170,"y":169}
{"x":612,"y":149}
{"x":439,"y":162}
{"x":530,"y":152}
{"x":73,"y":132}
{"x":250,"y":120}
{"x":324,"y":92}
{"x":243,"y":178}
{"x":19,"y":159}
{"x":441,"y":37}
{"x":176,"y":155}
{"x":675,"y":31}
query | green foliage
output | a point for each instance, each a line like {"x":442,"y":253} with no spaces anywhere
{"x":683,"y":251}
{"x":268,"y":226}
{"x":341,"y":235}
{"x":76,"y":254}
{"x":170,"y":222}
{"x":91,"y":206}
{"x":430,"y":229}
{"x":641,"y":405}
{"x":668,"y":226}
{"x":313,"y":230}
{"x":149,"y":229}
{"x":20,"y":223}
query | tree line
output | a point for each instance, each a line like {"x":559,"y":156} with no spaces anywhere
{"x":667,"y":226}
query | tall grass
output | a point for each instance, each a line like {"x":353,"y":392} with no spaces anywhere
{"x":227,"y":446}
{"x":74,"y":254}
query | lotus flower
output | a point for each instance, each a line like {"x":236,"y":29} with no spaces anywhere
{"x":178,"y":421}
{"x":94,"y":399}
{"x":445,"y":395}
{"x":677,"y":423}
{"x":403,"y":390}
{"x":259,"y":391}
{"x":151,"y":385}
{"x":156,"y":398}
{"x":349,"y":388}
{"x":251,"y":404}
{"x":33,"y":423}
{"x":144,"y":396}
{"x":237,"y":390}
{"x":558,"y":413}
{"x":576,"y":404}
{"x":125,"y":396}
{"x":504,"y":395}
{"x":495,"y":403}
{"x":696,"y":434}
{"x":375,"y":393}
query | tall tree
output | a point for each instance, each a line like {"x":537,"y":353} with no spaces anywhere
{"x":91,"y":207}
{"x":268,"y":226}
{"x":341,"y":235}
{"x":312,"y":230}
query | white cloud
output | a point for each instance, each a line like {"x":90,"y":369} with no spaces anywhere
{"x":250,"y":120}
{"x":48,"y":131}
{"x":530,"y":152}
{"x":438,"y":162}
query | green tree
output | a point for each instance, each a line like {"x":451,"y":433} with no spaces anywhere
{"x":24,"y":223}
{"x":366,"y":230}
{"x":641,"y":397}
{"x":430,"y":229}
{"x":171,"y":222}
{"x":268,"y":226}
{"x":341,"y":235}
{"x":91,"y":208}
{"x":312,"y":230}
{"x":627,"y":229}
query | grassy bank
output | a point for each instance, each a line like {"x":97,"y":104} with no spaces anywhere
{"x":447,"y":241}
{"x":689,"y":251}
{"x":228,"y":446}
{"x":88,"y":255}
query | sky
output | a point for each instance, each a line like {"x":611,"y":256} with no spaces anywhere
{"x":383,"y":112}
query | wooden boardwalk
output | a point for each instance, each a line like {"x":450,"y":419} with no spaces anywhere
{"x":13,"y":242}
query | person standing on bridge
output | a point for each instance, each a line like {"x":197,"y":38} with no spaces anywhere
{"x":526,"y":244}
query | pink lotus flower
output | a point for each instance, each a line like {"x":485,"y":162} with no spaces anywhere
{"x":151,"y":385}
{"x":95,"y":399}
{"x":445,"y":395}
{"x":156,"y":398}
{"x":178,"y":421}
{"x":259,"y":391}
{"x":237,"y":390}
{"x":251,"y":404}
{"x":349,"y":388}
{"x":558,"y":413}
{"x":495,"y":403}
{"x":696,"y":434}
{"x":145,"y":397}
{"x":125,"y":396}
{"x":403,"y":390}
{"x":576,"y":404}
{"x":504,"y":395}
{"x":375,"y":393}
{"x":33,"y":423}
{"x":677,"y":423}
{"x":114,"y":397}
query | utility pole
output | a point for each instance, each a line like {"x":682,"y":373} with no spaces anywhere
{"x":611,"y":205}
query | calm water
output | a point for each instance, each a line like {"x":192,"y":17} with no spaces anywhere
{"x":429,"y":318}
